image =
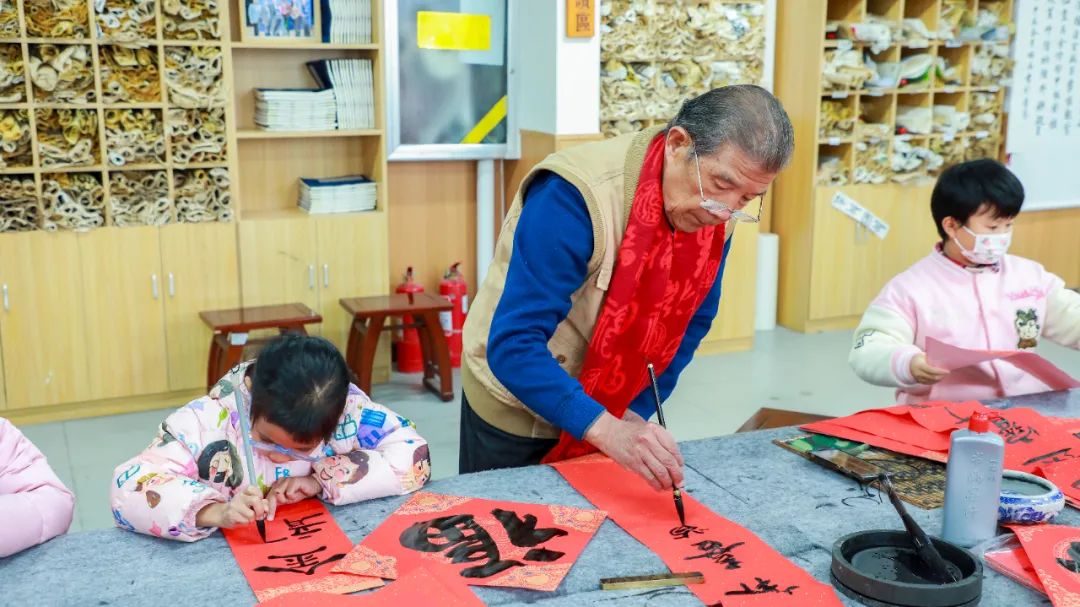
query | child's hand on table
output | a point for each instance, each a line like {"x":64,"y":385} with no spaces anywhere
{"x":243,"y":508}
{"x":924,"y":372}
{"x":291,"y":489}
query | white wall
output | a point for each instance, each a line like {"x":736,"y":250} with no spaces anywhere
{"x":578,"y":77}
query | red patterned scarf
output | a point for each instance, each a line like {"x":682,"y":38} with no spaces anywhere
{"x":661,"y":277}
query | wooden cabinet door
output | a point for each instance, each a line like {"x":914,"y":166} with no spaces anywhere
{"x":42,"y":328}
{"x":278,"y":264}
{"x":125,"y":317}
{"x":735,"y":318}
{"x":201,"y":272}
{"x":352,"y":263}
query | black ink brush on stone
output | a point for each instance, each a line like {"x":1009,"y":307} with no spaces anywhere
{"x":660,"y":418}
{"x":937,"y":569}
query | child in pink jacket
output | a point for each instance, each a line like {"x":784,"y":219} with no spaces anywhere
{"x":969,"y":293}
{"x":312,"y":434}
{"x":34,"y":505}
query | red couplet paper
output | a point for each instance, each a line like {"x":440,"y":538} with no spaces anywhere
{"x":484,"y":542}
{"x":740,"y":569}
{"x":1054,"y":552}
{"x":303,"y":543}
{"x":418,"y":588}
{"x":1014,"y":564}
{"x":950,"y":357}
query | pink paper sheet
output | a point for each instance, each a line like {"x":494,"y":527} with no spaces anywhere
{"x":949,"y":357}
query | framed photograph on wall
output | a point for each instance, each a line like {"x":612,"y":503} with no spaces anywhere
{"x":281,"y":20}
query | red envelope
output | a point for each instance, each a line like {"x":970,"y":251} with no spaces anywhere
{"x":1054,"y":552}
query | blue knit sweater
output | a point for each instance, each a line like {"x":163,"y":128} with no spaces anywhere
{"x":552,"y":247}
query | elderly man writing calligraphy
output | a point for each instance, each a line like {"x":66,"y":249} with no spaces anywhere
{"x":611,"y":258}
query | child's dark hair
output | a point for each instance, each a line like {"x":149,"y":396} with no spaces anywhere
{"x":300,"y":384}
{"x":966,"y":187}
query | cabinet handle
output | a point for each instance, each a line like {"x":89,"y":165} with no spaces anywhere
{"x":7,"y":302}
{"x":326,"y":275}
{"x":311,"y":276}
{"x":172,"y":285}
{"x":154,"y":286}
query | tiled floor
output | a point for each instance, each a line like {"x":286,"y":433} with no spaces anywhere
{"x":716,"y":394}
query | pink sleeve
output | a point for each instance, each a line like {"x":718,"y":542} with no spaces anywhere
{"x":378,"y":453}
{"x":34,"y":505}
{"x":158,"y":492}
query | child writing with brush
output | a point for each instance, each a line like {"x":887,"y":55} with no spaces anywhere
{"x":312,"y":434}
{"x":969,"y":293}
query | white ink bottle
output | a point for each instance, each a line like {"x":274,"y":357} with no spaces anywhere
{"x":973,"y":483}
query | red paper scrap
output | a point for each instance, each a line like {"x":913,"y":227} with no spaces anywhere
{"x":740,"y":569}
{"x":419,"y":587}
{"x":365,"y":561}
{"x":1014,"y":564}
{"x":1054,"y":552}
{"x":303,"y":543}
{"x":486,"y":542}
{"x":950,"y":357}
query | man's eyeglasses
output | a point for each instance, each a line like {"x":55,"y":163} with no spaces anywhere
{"x":713,"y":206}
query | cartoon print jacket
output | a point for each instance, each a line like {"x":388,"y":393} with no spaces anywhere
{"x":196,"y":460}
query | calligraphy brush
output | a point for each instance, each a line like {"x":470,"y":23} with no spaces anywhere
{"x":936,"y":566}
{"x":660,"y":418}
{"x":245,"y":438}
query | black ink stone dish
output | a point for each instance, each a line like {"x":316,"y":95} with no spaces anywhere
{"x":880,"y":568}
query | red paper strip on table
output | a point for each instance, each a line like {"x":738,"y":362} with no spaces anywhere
{"x":365,"y":561}
{"x":950,"y":357}
{"x":1054,"y":552}
{"x":740,"y":569}
{"x":1034,"y":443}
{"x":303,"y":543}
{"x":419,"y":587}
{"x":484,"y":542}
{"x":1014,"y":564}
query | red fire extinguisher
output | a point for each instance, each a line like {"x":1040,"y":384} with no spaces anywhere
{"x":454,"y":288}
{"x":410,"y":359}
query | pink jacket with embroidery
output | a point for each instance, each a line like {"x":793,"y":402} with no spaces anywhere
{"x":1010,"y":309}
{"x":34,"y":505}
{"x":197,"y":459}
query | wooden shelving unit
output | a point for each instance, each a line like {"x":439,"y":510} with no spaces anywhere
{"x":862,"y":139}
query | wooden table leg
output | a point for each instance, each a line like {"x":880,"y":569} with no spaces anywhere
{"x":441,"y":350}
{"x":368,"y":347}
{"x":352,"y":347}
{"x":213,"y":362}
{"x":427,"y":348}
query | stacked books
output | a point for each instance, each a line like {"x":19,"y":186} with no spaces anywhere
{"x":347,"y":194}
{"x":295,"y":109}
{"x":346,"y":21}
{"x":353,"y":83}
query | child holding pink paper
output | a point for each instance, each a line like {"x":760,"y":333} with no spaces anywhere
{"x":313,"y":434}
{"x":968,"y":293}
{"x":34,"y":505}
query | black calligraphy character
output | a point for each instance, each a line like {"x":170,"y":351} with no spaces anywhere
{"x":524,"y":534}
{"x":1014,"y":433}
{"x":960,"y":421}
{"x":683,"y":532}
{"x":1053,"y":457}
{"x":303,"y":529}
{"x":295,"y":563}
{"x":465,"y":542}
{"x":762,"y":587}
{"x":1072,"y":564}
{"x":718,"y":553}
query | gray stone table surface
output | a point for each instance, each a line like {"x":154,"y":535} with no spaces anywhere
{"x":797,"y":507}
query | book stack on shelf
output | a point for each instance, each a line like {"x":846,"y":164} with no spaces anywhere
{"x":346,"y":21}
{"x":353,"y":83}
{"x":295,"y":109}
{"x":348,"y":194}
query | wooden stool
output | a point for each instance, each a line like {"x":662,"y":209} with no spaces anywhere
{"x":767,"y":418}
{"x":231,"y":328}
{"x":369,"y":315}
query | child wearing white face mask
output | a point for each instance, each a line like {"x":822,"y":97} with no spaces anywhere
{"x":968,"y":292}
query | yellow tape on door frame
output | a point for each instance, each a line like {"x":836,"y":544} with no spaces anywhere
{"x":453,"y":31}
{"x":488,"y":123}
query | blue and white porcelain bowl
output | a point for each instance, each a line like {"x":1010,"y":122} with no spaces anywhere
{"x":1027,"y":499}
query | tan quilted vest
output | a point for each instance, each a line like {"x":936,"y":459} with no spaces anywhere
{"x":606,"y":173}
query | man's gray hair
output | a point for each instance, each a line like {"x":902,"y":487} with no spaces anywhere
{"x":745,"y":115}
